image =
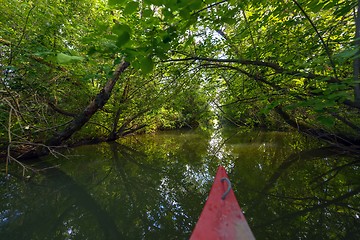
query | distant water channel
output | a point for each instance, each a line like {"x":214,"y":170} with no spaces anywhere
{"x":154,"y":187}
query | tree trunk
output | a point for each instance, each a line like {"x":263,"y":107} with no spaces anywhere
{"x":357,"y":57}
{"x":121,"y":131}
{"x":98,"y":102}
{"x":113,"y":134}
{"x":333,"y":138}
{"x":80,"y":119}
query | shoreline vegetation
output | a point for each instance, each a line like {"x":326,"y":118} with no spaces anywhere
{"x":100,"y":70}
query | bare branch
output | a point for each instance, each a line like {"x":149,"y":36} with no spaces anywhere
{"x":61,"y":111}
{"x":276,"y":67}
{"x":209,"y":6}
{"x":326,"y":47}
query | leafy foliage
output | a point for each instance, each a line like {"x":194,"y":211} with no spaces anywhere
{"x":253,"y":63}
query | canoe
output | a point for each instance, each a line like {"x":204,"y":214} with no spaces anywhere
{"x":221,"y":217}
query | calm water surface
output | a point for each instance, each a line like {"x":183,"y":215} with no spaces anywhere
{"x":154,"y":187}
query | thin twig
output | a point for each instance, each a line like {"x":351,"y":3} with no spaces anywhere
{"x":210,"y":6}
{"x":9,"y":137}
{"x":50,"y":148}
{"x":22,"y":36}
{"x":326,"y":47}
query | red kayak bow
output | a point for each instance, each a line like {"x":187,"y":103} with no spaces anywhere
{"x":221,"y":217}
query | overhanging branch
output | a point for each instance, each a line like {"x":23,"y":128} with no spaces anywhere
{"x":274,"y":66}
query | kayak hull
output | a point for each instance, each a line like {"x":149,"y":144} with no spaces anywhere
{"x":221,"y":217}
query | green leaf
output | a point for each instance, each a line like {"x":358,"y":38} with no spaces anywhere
{"x":172,"y":4}
{"x":167,"y":13}
{"x":111,"y":37}
{"x":329,"y":5}
{"x":117,"y":61}
{"x":209,"y":1}
{"x":136,"y":64}
{"x":130,"y":54}
{"x":271,"y":106}
{"x":166,"y":38}
{"x":123,"y":39}
{"x":342,"y":11}
{"x":327,"y":121}
{"x":154,"y":2}
{"x":161,"y":49}
{"x":123,"y":33}
{"x":346,"y":54}
{"x":320,"y":104}
{"x":148,"y":13}
{"x":91,"y":50}
{"x":107,"y":47}
{"x":229,"y":20}
{"x":64,"y":58}
{"x":317,"y":8}
{"x":146,"y":65}
{"x":185,"y":13}
{"x":194,"y":4}
{"x":42,"y":54}
{"x":115,"y":2}
{"x":338,"y":95}
{"x":131,"y":7}
{"x":120,"y":28}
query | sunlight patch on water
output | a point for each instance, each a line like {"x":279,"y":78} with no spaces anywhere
{"x":199,"y":178}
{"x":216,"y":146}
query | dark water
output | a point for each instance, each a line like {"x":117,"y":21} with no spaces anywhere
{"x":154,"y":187}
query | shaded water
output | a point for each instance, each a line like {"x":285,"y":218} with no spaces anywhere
{"x":154,"y":187}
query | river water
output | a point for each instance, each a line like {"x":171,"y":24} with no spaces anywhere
{"x":154,"y":187}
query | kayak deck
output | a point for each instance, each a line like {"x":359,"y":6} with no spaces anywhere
{"x":222,"y":217}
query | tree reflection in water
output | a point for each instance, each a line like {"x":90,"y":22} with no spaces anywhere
{"x":154,"y":187}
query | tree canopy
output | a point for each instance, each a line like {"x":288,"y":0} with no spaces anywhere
{"x":96,"y":70}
